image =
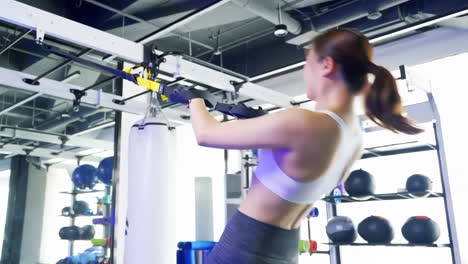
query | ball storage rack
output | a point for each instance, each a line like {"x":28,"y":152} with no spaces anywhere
{"x":423,"y":113}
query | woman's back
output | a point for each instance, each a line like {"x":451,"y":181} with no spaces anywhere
{"x":288,"y":181}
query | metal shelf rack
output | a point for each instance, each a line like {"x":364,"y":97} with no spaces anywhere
{"x":425,"y":112}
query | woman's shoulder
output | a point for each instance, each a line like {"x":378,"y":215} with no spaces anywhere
{"x":313,"y":122}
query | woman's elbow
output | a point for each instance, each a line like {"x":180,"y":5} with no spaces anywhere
{"x":201,"y":138}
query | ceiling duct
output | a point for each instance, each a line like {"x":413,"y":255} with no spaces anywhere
{"x":351,"y":11}
{"x":268,"y":10}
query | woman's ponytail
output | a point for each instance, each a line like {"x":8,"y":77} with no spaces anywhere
{"x":383,"y":103}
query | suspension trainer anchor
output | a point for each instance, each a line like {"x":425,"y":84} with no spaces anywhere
{"x":78,"y":95}
{"x":237,"y":86}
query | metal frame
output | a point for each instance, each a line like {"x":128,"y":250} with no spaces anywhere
{"x":96,"y":99}
{"x":36,"y":19}
{"x":58,"y":139}
{"x":46,"y":153}
{"x":65,"y":29}
{"x":448,"y":203}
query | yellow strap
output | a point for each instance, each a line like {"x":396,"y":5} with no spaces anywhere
{"x":151,"y":85}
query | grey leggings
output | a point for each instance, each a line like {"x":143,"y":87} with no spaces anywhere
{"x":248,"y":241}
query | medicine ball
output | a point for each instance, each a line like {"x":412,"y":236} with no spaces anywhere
{"x":340,"y":229}
{"x":87,"y":232}
{"x":360,"y":183}
{"x":80,"y":207}
{"x":69,"y":233}
{"x":376,"y":229}
{"x":420,"y":230}
{"x":84,"y":176}
{"x":104,"y":171}
{"x":418,"y":184}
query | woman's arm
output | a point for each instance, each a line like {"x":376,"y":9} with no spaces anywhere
{"x":278,"y":130}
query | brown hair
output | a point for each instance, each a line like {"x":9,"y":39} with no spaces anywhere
{"x":352,"y":51}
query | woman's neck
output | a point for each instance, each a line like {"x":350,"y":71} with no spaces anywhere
{"x":337,"y":99}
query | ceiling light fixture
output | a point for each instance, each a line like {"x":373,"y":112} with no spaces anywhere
{"x":281,"y":30}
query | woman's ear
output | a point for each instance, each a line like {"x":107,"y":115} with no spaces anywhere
{"x":328,"y":66}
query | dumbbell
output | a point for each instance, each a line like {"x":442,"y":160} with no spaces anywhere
{"x":304,"y":246}
{"x":100,"y":242}
{"x":307,"y":246}
{"x":313,"y":246}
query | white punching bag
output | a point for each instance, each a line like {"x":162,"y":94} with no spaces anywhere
{"x":150,"y":230}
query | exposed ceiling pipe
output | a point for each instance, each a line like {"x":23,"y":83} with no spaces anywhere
{"x":109,"y":8}
{"x":349,"y":12}
{"x":73,"y":117}
{"x":268,"y":9}
{"x":175,"y":25}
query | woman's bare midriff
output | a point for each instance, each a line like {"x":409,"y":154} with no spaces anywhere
{"x":265,"y":206}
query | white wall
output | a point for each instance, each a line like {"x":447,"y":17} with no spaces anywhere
{"x":450,"y":87}
{"x":33,"y":216}
{"x":196,"y":161}
{"x":52,"y":247}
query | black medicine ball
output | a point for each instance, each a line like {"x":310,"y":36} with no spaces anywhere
{"x":340,"y":229}
{"x":360,"y":183}
{"x":420,"y":230}
{"x":418,"y":183}
{"x":69,"y":233}
{"x":376,"y":229}
{"x":87,"y":232}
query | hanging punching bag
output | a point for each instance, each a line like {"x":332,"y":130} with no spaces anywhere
{"x":150,"y":226}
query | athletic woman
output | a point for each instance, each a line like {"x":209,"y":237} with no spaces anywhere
{"x":302,"y":154}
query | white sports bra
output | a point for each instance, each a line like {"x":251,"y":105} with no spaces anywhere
{"x":270,"y":174}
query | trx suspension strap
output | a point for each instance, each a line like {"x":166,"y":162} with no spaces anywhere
{"x":158,"y":86}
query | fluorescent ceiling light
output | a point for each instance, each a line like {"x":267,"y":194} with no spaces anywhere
{"x":418,"y":26}
{"x":86,"y":131}
{"x":71,"y":77}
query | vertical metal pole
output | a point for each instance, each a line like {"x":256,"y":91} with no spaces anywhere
{"x":449,"y":212}
{"x":74,"y":192}
{"x":335,"y":257}
{"x":115,"y":173}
